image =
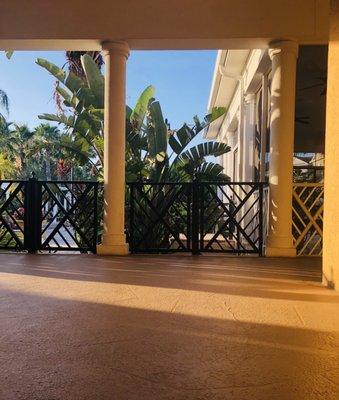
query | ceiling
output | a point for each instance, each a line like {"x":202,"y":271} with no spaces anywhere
{"x":160,"y":24}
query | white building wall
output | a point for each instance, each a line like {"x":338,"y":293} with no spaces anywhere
{"x":240,"y":118}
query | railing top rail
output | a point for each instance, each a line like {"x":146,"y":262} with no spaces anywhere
{"x":308,"y":184}
{"x":158,"y":183}
{"x":12,"y":181}
{"x":316,"y":167}
{"x":234,"y":183}
{"x":200,"y":182}
{"x":70,"y":182}
{"x":48,"y":181}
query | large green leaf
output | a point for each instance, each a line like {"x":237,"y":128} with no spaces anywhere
{"x":202,"y":150}
{"x":157,"y":132}
{"x":70,"y":100}
{"x":94,"y":78}
{"x":4,"y":102}
{"x":182,"y":137}
{"x":136,"y":142}
{"x":87,"y":126}
{"x":216,"y":113}
{"x":61,"y":119}
{"x":97,"y":112}
{"x":128,"y":112}
{"x":53,"y":69}
{"x":211,"y":171}
{"x":204,"y":171}
{"x":139,"y":112}
{"x":77,"y":149}
{"x":64,"y":93}
{"x":74,"y":83}
{"x":99,"y":144}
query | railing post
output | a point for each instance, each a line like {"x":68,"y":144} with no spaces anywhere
{"x":131,"y":217}
{"x":95,"y":217}
{"x":261,"y":221}
{"x":195,"y":216}
{"x":32,"y":230}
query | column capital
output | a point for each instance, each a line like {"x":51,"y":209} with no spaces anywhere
{"x":249,"y":98}
{"x":116,"y":47}
{"x":283,"y":46}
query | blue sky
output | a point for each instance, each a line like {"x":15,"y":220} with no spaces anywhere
{"x":182,"y":80}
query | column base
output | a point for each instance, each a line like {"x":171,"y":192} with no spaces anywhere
{"x":328,"y":283}
{"x":112,"y":250}
{"x":280,"y":252}
{"x":113,"y":245}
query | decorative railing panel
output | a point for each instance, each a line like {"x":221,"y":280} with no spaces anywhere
{"x":53,"y":216}
{"x":159,"y":217}
{"x":308,"y":207}
{"x":231,"y":217}
{"x":12,"y":214}
{"x":68,"y":215}
{"x":198,"y":217}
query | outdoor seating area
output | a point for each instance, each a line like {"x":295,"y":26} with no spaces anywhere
{"x":166,"y":327}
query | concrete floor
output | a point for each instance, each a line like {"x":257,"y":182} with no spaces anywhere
{"x":166,"y":327}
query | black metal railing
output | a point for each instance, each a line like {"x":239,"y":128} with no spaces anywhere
{"x":48,"y":215}
{"x":231,"y":217}
{"x":69,"y":215}
{"x":12,"y":215}
{"x":195,"y":217}
{"x":159,"y":217}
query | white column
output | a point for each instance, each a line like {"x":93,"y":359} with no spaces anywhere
{"x":263,"y":128}
{"x":249,"y":134}
{"x":114,"y":240}
{"x":284,"y":59}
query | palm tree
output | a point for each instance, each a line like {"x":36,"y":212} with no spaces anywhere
{"x":13,"y":140}
{"x":7,"y":167}
{"x":45,"y":148}
{"x":4,"y":102}
{"x":47,"y":158}
{"x":74,"y":61}
{"x":18,"y":147}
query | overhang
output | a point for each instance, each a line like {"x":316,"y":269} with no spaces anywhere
{"x":161,"y":24}
{"x":223,"y":87}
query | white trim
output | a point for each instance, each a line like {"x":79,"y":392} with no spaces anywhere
{"x":223,"y":87}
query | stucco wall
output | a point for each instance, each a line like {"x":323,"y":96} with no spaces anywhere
{"x":331,"y":212}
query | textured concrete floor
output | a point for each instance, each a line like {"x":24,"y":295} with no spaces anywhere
{"x":166,"y":327}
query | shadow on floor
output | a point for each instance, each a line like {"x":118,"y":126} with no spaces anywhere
{"x":60,"y":349}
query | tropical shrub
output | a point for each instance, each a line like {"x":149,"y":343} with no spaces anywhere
{"x":153,"y":151}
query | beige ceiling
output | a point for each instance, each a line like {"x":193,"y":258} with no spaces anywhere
{"x":160,"y":24}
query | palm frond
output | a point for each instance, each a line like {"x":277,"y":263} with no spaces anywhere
{"x":4,"y":102}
